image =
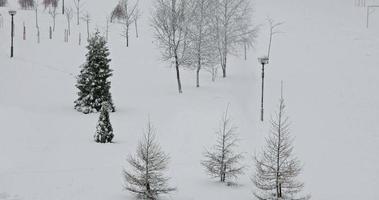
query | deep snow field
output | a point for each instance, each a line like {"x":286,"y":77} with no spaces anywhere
{"x":328,"y":60}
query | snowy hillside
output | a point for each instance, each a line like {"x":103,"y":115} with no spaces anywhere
{"x":327,"y":58}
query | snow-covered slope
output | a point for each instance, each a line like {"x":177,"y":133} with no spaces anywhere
{"x":326,"y":57}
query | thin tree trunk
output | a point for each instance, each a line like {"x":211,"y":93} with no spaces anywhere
{"x":136,"y":26}
{"x":178,"y":74}
{"x":87,"y":29}
{"x":127,"y":36}
{"x":244,"y":46}
{"x":197,"y":76}
{"x":24,"y":32}
{"x":62,"y":7}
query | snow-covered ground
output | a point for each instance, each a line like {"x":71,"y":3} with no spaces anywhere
{"x":328,"y":60}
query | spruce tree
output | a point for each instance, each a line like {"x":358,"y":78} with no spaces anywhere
{"x":93,"y":83}
{"x":221,"y":161}
{"x":145,"y":177}
{"x":104,"y":130}
{"x":277,"y":168}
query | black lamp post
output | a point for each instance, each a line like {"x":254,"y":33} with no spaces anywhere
{"x":264,"y":61}
{"x":12,"y":13}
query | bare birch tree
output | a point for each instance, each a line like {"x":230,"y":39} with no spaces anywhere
{"x":36,"y":20}
{"x":137,"y":15}
{"x":276,"y":167}
{"x":128,"y":17}
{"x":233,"y":26}
{"x":221,"y":161}
{"x":69,"y":14}
{"x":78,"y":7}
{"x":146,"y":178}
{"x":170,"y":25}
{"x":87,"y":18}
{"x":53,"y":13}
{"x":202,"y":46}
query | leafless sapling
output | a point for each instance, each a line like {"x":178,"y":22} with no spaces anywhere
{"x":170,"y":23}
{"x":273,"y":28}
{"x":128,"y":17}
{"x":222,"y":161}
{"x":78,"y":7}
{"x":145,"y":177}
{"x":276,"y":167}
{"x":232,"y":22}
{"x":87,"y":18}
{"x":69,"y":14}
{"x":53,"y":13}
{"x":137,"y":15}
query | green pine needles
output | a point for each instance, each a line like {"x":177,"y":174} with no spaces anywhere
{"x":92,"y":82}
{"x":104,"y":130}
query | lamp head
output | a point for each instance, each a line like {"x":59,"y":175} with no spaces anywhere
{"x":263,"y":60}
{"x":12,"y":12}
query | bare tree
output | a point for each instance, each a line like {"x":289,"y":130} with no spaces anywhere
{"x":87,"y":18}
{"x":232,"y":23}
{"x":221,"y":161}
{"x":273,"y":31}
{"x":63,"y":7}
{"x":36,"y":19}
{"x":69,"y":14}
{"x":137,"y":15}
{"x":127,"y":18}
{"x":276,"y":167}
{"x":202,"y":46}
{"x":146,"y":178}
{"x":26,"y":4}
{"x":78,"y":7}
{"x":170,"y":24}
{"x":53,"y":13}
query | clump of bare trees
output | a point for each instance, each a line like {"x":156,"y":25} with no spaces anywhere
{"x":202,"y":54}
{"x":146,"y":178}
{"x":222,"y":161}
{"x":126,"y":14}
{"x":26,"y":4}
{"x":202,"y":34}
{"x":3,"y":3}
{"x":69,"y":14}
{"x":233,"y":26}
{"x":276,"y":167}
{"x":170,"y":22}
{"x":48,"y":3}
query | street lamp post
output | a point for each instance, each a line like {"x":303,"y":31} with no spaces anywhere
{"x":264,"y":61}
{"x":12,"y":13}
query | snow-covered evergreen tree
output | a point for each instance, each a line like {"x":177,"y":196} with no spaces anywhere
{"x":104,"y":130}
{"x":222,"y":161}
{"x":93,"y":80}
{"x":277,"y":168}
{"x":146,"y":178}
